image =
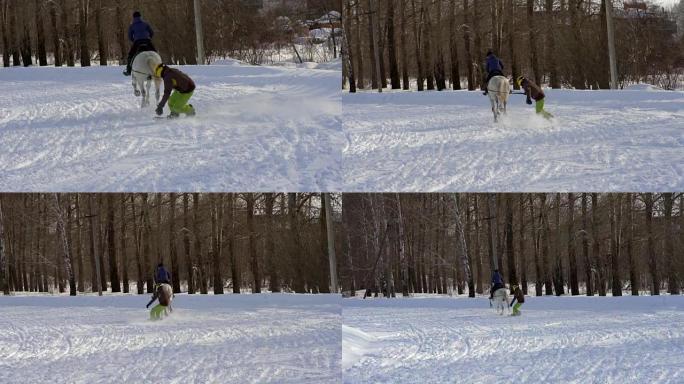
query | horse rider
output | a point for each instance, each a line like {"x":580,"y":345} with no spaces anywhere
{"x":140,"y":34}
{"x":533,"y":91}
{"x":182,"y":87}
{"x":494,"y":67}
{"x":497,"y":283}
{"x":161,"y":275}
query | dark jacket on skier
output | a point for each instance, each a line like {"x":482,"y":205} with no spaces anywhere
{"x":174,"y":80}
{"x":497,"y":283}
{"x":517,"y":296}
{"x":493,"y":65}
{"x":139,"y":29}
{"x":532,"y":90}
{"x":161,"y":275}
{"x":140,"y":34}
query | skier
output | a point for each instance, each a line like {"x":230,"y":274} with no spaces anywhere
{"x":164,"y":294}
{"x":182,"y":87}
{"x":517,"y":295}
{"x":494,"y":67}
{"x":533,"y":91}
{"x":161,"y":275}
{"x":140,"y":34}
{"x":497,"y":283}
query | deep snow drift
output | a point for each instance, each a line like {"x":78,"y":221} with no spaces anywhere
{"x":437,"y":141}
{"x":556,"y":340}
{"x":258,"y":128}
{"x":268,"y":338}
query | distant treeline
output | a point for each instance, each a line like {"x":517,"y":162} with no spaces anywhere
{"x":66,"y":32}
{"x":440,"y":44}
{"x":209,"y":242}
{"x":587,"y":243}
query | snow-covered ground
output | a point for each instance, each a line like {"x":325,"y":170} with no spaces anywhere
{"x":436,"y":141}
{"x":269,"y":338}
{"x":556,"y":340}
{"x":257,"y":129}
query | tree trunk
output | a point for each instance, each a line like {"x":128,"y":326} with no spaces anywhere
{"x":173,"y":252}
{"x":559,"y":280}
{"x":403,"y":46}
{"x":254,"y":259}
{"x":96,"y":261}
{"x":124,"y":253}
{"x":615,"y":225}
{"x":672,"y":267}
{"x":466,"y":37}
{"x":83,"y":32}
{"x":572,"y":260}
{"x":111,"y":245}
{"x":510,"y":254}
{"x":633,"y":276}
{"x":101,"y":44}
{"x":416,"y":32}
{"x":596,"y":245}
{"x":79,"y":246}
{"x":391,"y":47}
{"x":551,"y":46}
{"x":140,"y":282}
{"x":273,"y":276}
{"x":217,"y":205}
{"x":147,"y":242}
{"x":40,"y":35}
{"x":548,"y":285}
{"x":198,"y":245}
{"x":650,"y":245}
{"x":121,"y":34}
{"x":68,"y":45}
{"x":534,"y":50}
{"x":521,"y":242}
{"x":585,"y":248}
{"x":186,"y":245}
{"x":453,"y":48}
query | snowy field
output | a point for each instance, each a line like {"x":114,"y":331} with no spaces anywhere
{"x":556,"y":340}
{"x":270,"y":338}
{"x":257,"y":129}
{"x":438,"y":141}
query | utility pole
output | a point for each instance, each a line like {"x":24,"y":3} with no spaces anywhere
{"x":611,"y":44}
{"x":331,"y":242}
{"x":198,"y":33}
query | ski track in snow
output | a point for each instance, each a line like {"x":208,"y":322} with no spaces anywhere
{"x":445,"y":141}
{"x":556,"y":340}
{"x":257,"y":129}
{"x":250,"y":339}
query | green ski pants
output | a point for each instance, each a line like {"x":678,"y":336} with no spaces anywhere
{"x":539,"y":107}
{"x":156,"y":312}
{"x":178,"y":102}
{"x":516,"y":308}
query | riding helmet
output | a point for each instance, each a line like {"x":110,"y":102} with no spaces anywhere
{"x":159,"y":70}
{"x":519,"y":80}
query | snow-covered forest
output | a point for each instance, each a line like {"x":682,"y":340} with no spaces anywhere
{"x":550,"y":244}
{"x":428,"y":44}
{"x":88,"y":32}
{"x":211,"y":243}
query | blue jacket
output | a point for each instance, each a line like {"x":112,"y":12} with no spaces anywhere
{"x":494,"y":64}
{"x":496,"y":278}
{"x":140,"y":30}
{"x":162,"y":275}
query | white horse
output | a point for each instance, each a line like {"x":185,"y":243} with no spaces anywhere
{"x":501,"y":300}
{"x":498,"y":90}
{"x":143,"y":73}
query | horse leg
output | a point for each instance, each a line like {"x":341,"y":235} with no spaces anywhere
{"x":157,"y":86}
{"x":135,"y":87}
{"x":148,"y":85}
